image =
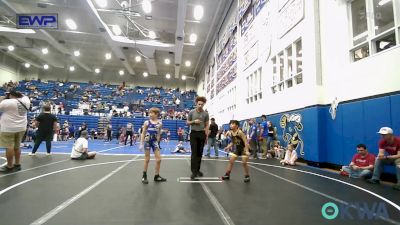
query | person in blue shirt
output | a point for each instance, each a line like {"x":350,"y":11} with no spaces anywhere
{"x":253,"y":136}
{"x":150,"y":138}
{"x":263,"y":136}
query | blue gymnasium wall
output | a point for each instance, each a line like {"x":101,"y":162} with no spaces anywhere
{"x":334,"y":141}
{"x":358,"y":122}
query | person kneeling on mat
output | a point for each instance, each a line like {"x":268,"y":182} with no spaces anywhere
{"x":80,"y":149}
{"x":239,"y":147}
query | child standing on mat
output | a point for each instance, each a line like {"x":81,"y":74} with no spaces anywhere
{"x":239,"y":147}
{"x":150,"y":138}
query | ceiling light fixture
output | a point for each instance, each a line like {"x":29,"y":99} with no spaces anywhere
{"x":45,"y":66}
{"x":45,"y":51}
{"x":138,"y":58}
{"x":145,"y":74}
{"x":167,"y":61}
{"x":27,"y":65}
{"x":77,"y":53}
{"x":11,"y":48}
{"x":198,"y":12}
{"x":193,"y":38}
{"x":72,"y":68}
{"x":108,"y":56}
{"x":121,"y":72}
{"x":183,"y":77}
{"x":101,"y":3}
{"x":152,"y":34}
{"x":116,"y":30}
{"x":146,"y":6}
{"x":383,"y":2}
{"x":71,"y":24}
{"x":97,"y":70}
{"x":168,"y":76}
{"x":188,"y":63}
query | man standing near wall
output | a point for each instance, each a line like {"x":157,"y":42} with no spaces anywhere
{"x":212,"y":138}
{"x":13,"y":123}
{"x":264,"y":136}
{"x":198,"y":121}
{"x":253,"y":138}
{"x":390,"y":145}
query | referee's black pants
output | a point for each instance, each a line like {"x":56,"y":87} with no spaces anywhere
{"x":197,"y":140}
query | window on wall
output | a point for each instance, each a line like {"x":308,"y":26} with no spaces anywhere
{"x":232,"y":99}
{"x":374,"y":27}
{"x":287,"y":67}
{"x":254,"y":91}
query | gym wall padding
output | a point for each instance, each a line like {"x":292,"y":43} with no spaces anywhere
{"x":352,"y":129}
{"x":395,"y":112}
{"x":334,"y":141}
{"x":376,"y":115}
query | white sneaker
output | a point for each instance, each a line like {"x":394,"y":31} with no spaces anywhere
{"x":48,"y":153}
{"x":31,"y":154}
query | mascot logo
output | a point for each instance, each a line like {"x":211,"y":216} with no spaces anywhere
{"x":292,"y":126}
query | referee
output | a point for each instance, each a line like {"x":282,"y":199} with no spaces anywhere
{"x":198,"y":121}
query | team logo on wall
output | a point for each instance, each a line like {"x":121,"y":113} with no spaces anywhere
{"x":292,"y":126}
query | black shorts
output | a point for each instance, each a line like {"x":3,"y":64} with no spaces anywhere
{"x":239,"y":151}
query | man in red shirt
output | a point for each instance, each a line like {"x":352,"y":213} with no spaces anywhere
{"x":361,"y":165}
{"x":390,"y":145}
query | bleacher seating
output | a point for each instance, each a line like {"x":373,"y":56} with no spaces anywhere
{"x":70,"y":95}
{"x":117,"y":122}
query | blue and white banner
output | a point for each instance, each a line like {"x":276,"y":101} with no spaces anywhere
{"x":37,"y":21}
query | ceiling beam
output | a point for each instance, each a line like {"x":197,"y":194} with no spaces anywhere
{"x":107,"y":36}
{"x":35,"y":50}
{"x":149,"y":60}
{"x":51,"y":40}
{"x":23,"y":59}
{"x":179,"y":35}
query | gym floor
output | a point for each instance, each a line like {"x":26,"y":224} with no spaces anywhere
{"x":108,"y":190}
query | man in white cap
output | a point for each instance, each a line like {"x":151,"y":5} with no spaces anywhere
{"x":80,"y":149}
{"x":389,"y":153}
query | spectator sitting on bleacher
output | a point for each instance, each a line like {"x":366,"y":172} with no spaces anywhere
{"x":80,"y":149}
{"x":361,"y":165}
{"x":391,"y":145}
